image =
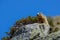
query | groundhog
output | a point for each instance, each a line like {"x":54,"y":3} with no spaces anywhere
{"x":42,"y":18}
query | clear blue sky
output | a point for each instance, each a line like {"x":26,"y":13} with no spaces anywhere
{"x":12,"y":10}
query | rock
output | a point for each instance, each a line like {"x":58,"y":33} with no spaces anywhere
{"x":31,"y":31}
{"x":36,"y":31}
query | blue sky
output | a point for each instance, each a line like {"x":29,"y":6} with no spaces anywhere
{"x":12,"y":10}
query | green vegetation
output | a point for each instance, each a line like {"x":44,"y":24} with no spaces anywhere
{"x":56,"y":29}
{"x":6,"y":38}
{"x":50,"y":21}
{"x":58,"y":23}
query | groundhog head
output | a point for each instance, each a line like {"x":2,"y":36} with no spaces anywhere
{"x":41,"y":19}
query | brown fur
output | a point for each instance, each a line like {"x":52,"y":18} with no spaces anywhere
{"x":42,"y":19}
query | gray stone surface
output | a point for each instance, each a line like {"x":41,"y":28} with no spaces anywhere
{"x":35,"y":31}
